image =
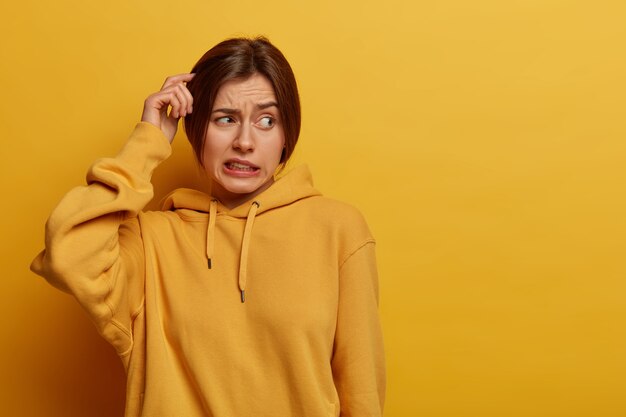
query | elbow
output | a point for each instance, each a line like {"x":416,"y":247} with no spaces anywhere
{"x":45,"y":266}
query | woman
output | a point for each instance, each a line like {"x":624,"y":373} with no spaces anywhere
{"x":259,"y":300}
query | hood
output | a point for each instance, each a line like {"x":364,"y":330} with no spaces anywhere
{"x":296,"y":185}
{"x":291,"y":187}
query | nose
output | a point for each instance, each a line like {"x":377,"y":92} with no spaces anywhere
{"x":244,"y":140}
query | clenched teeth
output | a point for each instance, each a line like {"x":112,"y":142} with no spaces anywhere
{"x":238,"y":166}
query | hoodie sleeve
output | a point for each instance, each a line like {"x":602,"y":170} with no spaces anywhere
{"x":93,"y":245}
{"x":358,"y":358}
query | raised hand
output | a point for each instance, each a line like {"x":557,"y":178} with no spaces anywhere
{"x":174,"y":96}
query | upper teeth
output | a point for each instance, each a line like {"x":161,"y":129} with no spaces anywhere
{"x":240,"y":166}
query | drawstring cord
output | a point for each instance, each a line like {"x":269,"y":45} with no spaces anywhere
{"x":245,"y":244}
{"x":210,"y":234}
{"x":243,"y":261}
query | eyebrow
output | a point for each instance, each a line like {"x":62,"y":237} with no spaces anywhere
{"x":260,"y":106}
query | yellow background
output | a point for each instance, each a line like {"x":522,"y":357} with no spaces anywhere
{"x":483,"y":140}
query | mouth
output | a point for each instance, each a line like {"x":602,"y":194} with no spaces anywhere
{"x":237,"y":166}
{"x":240,"y":165}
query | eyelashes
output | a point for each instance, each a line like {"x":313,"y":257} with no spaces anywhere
{"x":225,"y":120}
{"x":265,"y":122}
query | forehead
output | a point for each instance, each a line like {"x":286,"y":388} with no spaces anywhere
{"x":255,"y":88}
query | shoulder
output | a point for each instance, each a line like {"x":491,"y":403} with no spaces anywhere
{"x":170,"y":219}
{"x":343,"y":218}
{"x":338,"y":208}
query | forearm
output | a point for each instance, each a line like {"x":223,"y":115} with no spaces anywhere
{"x":93,"y":240}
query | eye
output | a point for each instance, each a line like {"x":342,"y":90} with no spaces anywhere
{"x":224,"y":120}
{"x":267,"y":122}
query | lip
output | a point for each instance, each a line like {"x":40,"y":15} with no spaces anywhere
{"x":239,"y":172}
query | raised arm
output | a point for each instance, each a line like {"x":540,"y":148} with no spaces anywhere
{"x":93,"y":246}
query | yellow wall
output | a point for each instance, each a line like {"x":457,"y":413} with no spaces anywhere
{"x":484,"y":140}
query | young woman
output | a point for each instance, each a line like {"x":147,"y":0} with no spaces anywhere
{"x":257,"y":300}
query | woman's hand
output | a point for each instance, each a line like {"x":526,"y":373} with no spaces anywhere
{"x":173,"y":94}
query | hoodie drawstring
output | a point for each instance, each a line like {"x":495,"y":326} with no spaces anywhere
{"x":210,"y":233}
{"x":245,"y":244}
{"x":243,"y":261}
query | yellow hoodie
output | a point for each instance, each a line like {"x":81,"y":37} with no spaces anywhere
{"x":265,"y":310}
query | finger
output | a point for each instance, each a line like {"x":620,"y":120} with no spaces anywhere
{"x":176,"y":90}
{"x":153,"y":106}
{"x":175,"y":105}
{"x":159,"y":100}
{"x":188,"y":98}
{"x":178,"y":78}
{"x":182,"y":100}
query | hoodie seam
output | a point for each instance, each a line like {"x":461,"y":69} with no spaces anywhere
{"x":347,"y":258}
{"x":202,"y":218}
{"x":127,"y":333}
{"x":236,"y":219}
{"x":133,"y":317}
{"x":116,"y":323}
{"x":199,"y":219}
{"x":138,"y":310}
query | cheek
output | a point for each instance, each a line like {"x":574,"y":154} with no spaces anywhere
{"x":212,"y":150}
{"x":279,"y":149}
{"x":269,"y":150}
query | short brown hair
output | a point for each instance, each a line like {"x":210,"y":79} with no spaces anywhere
{"x":241,"y":58}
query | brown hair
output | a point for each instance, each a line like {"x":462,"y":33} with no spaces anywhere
{"x":240,"y":58}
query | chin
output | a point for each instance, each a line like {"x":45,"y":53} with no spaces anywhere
{"x":242,"y":186}
{"x":242,"y":189}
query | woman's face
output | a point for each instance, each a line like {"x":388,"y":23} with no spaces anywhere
{"x":244,"y":140}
